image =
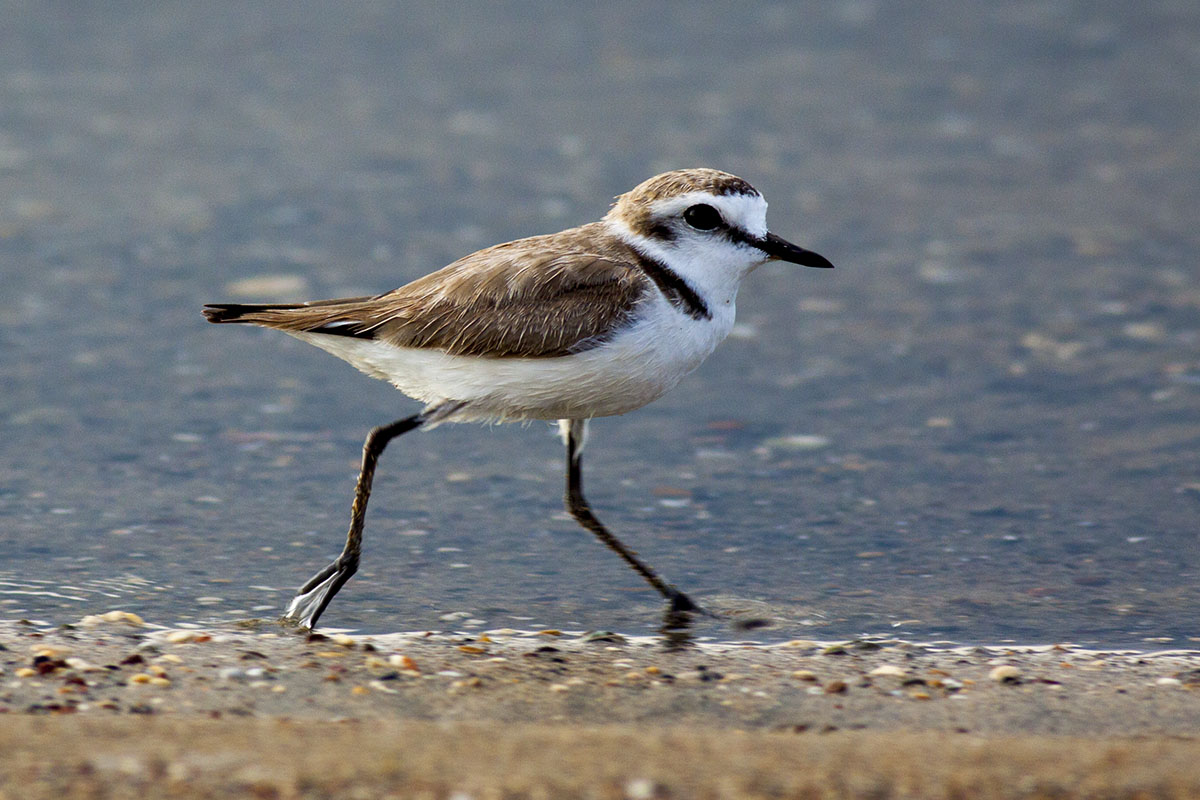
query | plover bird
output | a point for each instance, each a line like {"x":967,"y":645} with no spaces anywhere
{"x":589,"y":322}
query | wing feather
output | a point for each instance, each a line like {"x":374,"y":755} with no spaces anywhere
{"x":532,"y":298}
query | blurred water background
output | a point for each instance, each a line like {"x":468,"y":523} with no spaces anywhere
{"x":982,"y":426}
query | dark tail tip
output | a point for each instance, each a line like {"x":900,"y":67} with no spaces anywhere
{"x":224,"y":312}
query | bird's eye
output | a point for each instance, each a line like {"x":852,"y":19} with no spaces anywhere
{"x":702,"y":217}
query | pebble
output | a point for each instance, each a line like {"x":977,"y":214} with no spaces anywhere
{"x":152,"y":680}
{"x":48,"y":652}
{"x":641,"y":789}
{"x":1005,"y":673}
{"x":1169,"y":682}
{"x":887,"y":671}
{"x":804,"y":675}
{"x":92,"y":620}
{"x":380,"y":686}
{"x":403,"y":662}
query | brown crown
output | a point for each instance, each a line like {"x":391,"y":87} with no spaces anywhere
{"x":682,"y":181}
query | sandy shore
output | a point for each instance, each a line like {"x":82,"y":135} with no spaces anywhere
{"x":275,"y":758}
{"x":113,"y":705}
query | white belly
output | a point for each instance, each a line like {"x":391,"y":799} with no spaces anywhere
{"x":637,"y":366}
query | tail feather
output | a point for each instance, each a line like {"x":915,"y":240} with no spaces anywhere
{"x":240,"y":312}
{"x":343,"y":317}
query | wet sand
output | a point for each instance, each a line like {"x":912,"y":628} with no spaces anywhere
{"x":113,"y":707}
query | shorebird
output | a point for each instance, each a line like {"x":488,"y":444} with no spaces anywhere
{"x":589,"y":322}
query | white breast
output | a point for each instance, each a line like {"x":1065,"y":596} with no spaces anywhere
{"x":637,"y":366}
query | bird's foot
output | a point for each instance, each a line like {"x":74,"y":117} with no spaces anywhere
{"x":680,"y":601}
{"x":681,"y":604}
{"x":314,"y":596}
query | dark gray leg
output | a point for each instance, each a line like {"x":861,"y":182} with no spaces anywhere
{"x":310,"y":602}
{"x":573,"y":433}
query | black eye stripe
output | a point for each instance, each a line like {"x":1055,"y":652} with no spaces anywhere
{"x":739,"y":236}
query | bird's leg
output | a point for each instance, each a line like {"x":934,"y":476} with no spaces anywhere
{"x":573,"y":432}
{"x":309,"y":603}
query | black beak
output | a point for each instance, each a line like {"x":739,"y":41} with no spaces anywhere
{"x":782,"y":249}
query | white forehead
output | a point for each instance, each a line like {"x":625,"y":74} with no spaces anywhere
{"x":745,"y":211}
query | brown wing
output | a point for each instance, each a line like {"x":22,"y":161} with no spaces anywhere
{"x":532,"y":298}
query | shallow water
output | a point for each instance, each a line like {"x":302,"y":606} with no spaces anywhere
{"x":982,"y":426}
